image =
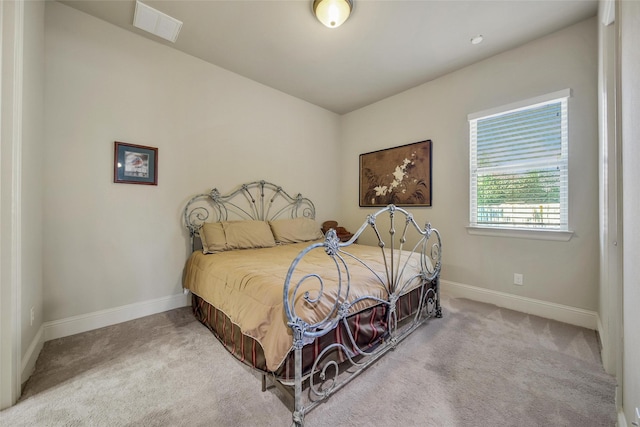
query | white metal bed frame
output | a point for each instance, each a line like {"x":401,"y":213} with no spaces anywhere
{"x":261,"y":200}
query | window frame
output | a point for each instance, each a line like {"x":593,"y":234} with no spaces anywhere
{"x":562,"y":233}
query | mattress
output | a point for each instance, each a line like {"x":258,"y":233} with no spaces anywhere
{"x":239,"y":295}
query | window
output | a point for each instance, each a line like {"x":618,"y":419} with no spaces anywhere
{"x":519,"y":161}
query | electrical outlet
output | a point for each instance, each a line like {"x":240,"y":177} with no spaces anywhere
{"x":518,"y":279}
{"x":33,"y":315}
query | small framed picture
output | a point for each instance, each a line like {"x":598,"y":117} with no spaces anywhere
{"x":135,"y":164}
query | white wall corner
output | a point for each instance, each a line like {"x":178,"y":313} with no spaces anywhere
{"x":29,"y":359}
{"x":99,"y":319}
{"x":562,"y":313}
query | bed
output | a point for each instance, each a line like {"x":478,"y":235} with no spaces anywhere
{"x":306,"y":310}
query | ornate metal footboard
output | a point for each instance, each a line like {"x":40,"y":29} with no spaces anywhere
{"x":409,"y":245}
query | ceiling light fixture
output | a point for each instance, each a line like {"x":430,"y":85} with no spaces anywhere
{"x":332,"y":13}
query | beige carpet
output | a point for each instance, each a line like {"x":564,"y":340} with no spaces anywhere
{"x":477,"y":366}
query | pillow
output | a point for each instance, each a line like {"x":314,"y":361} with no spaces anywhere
{"x":295,"y":230}
{"x":248,"y":234}
{"x":212,"y":237}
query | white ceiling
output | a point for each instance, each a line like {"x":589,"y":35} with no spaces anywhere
{"x":384,"y":48}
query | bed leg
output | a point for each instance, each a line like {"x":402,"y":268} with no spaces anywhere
{"x":438,"y":307}
{"x":298,"y":413}
{"x":297,"y":422}
{"x":264,"y":382}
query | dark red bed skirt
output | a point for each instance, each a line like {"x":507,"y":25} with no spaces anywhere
{"x":369,"y":328}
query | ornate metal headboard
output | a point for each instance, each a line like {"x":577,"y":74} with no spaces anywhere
{"x":258,"y":200}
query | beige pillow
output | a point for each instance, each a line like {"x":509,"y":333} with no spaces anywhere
{"x":295,"y":230}
{"x":212,"y":237}
{"x":248,"y":234}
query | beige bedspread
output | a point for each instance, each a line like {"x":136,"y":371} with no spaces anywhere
{"x":247,"y":285}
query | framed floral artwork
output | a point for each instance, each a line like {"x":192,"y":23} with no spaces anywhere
{"x":398,"y":175}
{"x":135,"y":164}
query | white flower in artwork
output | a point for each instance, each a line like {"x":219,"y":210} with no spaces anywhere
{"x":399,"y":173}
{"x":381,"y":190}
{"x":400,"y":182}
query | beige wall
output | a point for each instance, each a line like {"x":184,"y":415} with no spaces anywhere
{"x":107,"y":245}
{"x":558,"y":272}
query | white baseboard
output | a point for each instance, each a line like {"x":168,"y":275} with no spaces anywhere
{"x":28,"y":363}
{"x":548,"y":310}
{"x":622,"y":420}
{"x":99,"y":319}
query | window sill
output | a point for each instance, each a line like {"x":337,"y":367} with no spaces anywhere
{"x":555,"y":235}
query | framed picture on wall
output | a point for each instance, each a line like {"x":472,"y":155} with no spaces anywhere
{"x":135,"y":164}
{"x":398,"y":175}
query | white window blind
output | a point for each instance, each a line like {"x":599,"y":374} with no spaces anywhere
{"x":519,"y":165}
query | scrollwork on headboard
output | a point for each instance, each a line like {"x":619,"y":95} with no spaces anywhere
{"x":258,"y":200}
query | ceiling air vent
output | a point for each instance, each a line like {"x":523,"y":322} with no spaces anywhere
{"x":160,"y":24}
